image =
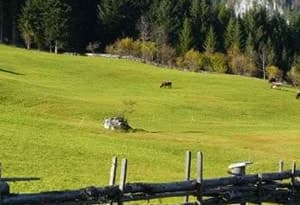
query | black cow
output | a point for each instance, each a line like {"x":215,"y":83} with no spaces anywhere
{"x":298,"y":95}
{"x":166,"y":84}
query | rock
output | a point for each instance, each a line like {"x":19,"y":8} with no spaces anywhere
{"x":116,"y":123}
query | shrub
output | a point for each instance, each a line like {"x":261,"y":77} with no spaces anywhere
{"x":137,"y":49}
{"x":126,"y":46}
{"x":241,"y":64}
{"x":216,"y":62}
{"x":148,"y":50}
{"x":121,"y":47}
{"x":273,"y":72}
{"x":92,"y":46}
{"x":180,"y":62}
{"x":194,"y":60}
{"x":114,"y":48}
{"x":167,"y":55}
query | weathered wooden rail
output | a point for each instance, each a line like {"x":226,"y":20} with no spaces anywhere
{"x":281,"y":187}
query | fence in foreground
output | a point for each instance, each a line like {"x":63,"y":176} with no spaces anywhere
{"x":282,"y":187}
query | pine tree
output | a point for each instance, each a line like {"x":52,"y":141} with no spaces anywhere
{"x":14,"y":10}
{"x":205,"y":20}
{"x":229,"y":34}
{"x":249,"y":48}
{"x":237,"y":37}
{"x":185,"y":37}
{"x":26,"y":23}
{"x":55,"y":21}
{"x":195,"y":13}
{"x":210,"y":43}
{"x":31,"y":22}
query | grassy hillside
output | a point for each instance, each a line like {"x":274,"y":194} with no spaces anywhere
{"x":52,"y":109}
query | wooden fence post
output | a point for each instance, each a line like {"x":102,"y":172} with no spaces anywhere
{"x":113,"y":171}
{"x":259,"y":188}
{"x":188,"y":157}
{"x":123,"y":177}
{"x":0,"y":183}
{"x":199,"y":177}
{"x":293,"y":183}
{"x":281,"y":164}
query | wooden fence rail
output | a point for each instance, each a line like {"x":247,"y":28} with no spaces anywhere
{"x":279,"y":187}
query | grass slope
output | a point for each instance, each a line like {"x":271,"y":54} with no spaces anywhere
{"x":52,"y":109}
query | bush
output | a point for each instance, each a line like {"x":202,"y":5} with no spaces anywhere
{"x":167,"y":55}
{"x":216,"y":63}
{"x":273,"y":72}
{"x":126,"y":46}
{"x":180,"y":62}
{"x":148,"y":50}
{"x":122,"y":47}
{"x":194,"y":60}
{"x":294,"y":76}
{"x":92,"y":46}
{"x":137,"y":49}
{"x":241,"y":64}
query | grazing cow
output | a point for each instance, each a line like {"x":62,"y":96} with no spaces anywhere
{"x":166,"y":84}
{"x":298,"y":95}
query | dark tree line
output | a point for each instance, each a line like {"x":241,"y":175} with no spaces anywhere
{"x":173,"y":26}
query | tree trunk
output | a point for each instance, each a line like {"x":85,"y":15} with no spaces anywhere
{"x":13,"y":22}
{"x":28,"y":44}
{"x":1,"y":21}
{"x":50,"y":47}
{"x":56,"y":47}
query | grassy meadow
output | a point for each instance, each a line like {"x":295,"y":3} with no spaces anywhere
{"x":53,"y":106}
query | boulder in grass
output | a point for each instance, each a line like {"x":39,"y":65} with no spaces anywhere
{"x":116,"y":123}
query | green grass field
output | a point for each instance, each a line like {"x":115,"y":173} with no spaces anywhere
{"x":52,"y":111}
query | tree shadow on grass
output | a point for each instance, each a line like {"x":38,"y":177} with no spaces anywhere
{"x":10,"y":72}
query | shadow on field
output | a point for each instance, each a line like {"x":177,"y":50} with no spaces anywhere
{"x":193,"y":132}
{"x":286,"y":89}
{"x":10,"y":72}
{"x":143,"y":130}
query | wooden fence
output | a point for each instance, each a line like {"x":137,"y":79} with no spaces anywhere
{"x":282,"y":187}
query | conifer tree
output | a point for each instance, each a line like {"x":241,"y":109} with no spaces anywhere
{"x":195,"y":13}
{"x":55,"y":21}
{"x":205,"y":20}
{"x":185,"y":37}
{"x":249,"y":48}
{"x":210,"y":42}
{"x":31,"y":22}
{"x":230,"y":34}
{"x":26,"y":23}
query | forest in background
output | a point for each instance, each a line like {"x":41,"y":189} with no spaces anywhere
{"x":195,"y":35}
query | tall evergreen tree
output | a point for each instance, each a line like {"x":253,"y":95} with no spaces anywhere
{"x":249,"y":48}
{"x":14,"y":27}
{"x":210,"y":42}
{"x":237,"y":37}
{"x":119,"y":18}
{"x":34,"y":15}
{"x":229,"y":34}
{"x":27,"y":22}
{"x":55,"y":21}
{"x":185,"y":37}
{"x":205,"y":17}
{"x":195,"y":13}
